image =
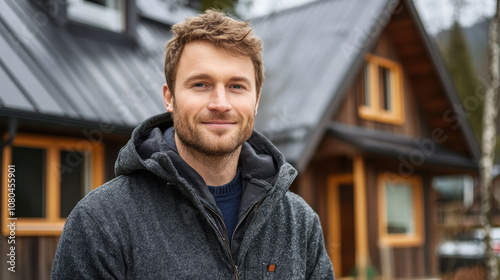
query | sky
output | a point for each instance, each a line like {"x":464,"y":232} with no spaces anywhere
{"x":435,"y":14}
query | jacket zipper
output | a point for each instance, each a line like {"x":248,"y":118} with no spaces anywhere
{"x":228,"y":248}
{"x":244,"y":216}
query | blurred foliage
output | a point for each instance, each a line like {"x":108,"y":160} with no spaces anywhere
{"x":227,"y":6}
{"x":458,"y":60}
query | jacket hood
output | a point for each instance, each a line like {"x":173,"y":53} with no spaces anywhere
{"x":150,"y":149}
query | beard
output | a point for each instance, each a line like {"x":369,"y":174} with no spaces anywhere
{"x":212,"y":143}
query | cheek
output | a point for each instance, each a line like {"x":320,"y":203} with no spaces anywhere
{"x":251,"y":110}
{"x":246,"y":106}
{"x":185,"y":106}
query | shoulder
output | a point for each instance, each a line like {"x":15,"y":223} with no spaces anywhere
{"x":120,"y":193}
{"x":297,"y":210}
{"x":297,"y":203}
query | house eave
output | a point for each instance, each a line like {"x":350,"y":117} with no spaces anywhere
{"x":53,"y":122}
{"x":414,"y":151}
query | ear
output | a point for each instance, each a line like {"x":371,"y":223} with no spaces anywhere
{"x":257,"y":104}
{"x":168,"y":99}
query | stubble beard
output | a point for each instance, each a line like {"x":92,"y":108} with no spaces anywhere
{"x":205,"y":144}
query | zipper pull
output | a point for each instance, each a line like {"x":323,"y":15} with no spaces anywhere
{"x":236,"y":272}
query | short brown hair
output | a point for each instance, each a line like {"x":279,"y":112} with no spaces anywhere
{"x":222,"y":31}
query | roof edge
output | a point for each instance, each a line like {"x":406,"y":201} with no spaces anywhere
{"x":63,"y":122}
{"x":445,"y":79}
{"x":414,"y":151}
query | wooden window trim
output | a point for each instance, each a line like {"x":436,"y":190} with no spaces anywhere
{"x":374,"y":111}
{"x":401,"y":240}
{"x":52,"y":224}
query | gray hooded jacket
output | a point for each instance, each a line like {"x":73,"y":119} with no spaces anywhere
{"x":157,"y":220}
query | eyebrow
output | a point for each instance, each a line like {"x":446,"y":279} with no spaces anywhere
{"x":202,"y":76}
{"x":241,"y":79}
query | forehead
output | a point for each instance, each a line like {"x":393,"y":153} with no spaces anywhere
{"x":203,"y":56}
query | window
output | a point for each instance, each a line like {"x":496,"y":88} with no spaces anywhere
{"x":106,"y":14}
{"x":51,"y":176}
{"x":400,"y":217}
{"x":381,"y":93}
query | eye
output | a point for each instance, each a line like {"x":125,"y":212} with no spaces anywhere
{"x":237,"y":87}
{"x":198,"y":85}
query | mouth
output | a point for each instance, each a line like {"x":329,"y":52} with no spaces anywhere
{"x":219,"y":123}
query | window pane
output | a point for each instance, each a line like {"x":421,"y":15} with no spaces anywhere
{"x":75,"y":181}
{"x":399,"y":208}
{"x":99,"y":2}
{"x":385,"y":88}
{"x":30,"y":181}
{"x":366,"y":82}
{"x":106,"y":14}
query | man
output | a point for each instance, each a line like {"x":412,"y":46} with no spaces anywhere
{"x":199,"y":194}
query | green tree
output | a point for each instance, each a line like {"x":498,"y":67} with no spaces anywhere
{"x":458,"y":60}
{"x":227,"y":6}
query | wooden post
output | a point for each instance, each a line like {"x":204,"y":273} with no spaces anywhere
{"x":360,"y":219}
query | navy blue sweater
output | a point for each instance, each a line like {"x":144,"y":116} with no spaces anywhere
{"x":228,"y":198}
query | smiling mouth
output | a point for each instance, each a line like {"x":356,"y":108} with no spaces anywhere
{"x":219,"y":123}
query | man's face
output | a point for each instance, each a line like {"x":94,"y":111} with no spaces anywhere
{"x":215,"y":99}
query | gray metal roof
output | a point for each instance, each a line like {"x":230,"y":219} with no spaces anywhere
{"x":309,"y":52}
{"x":47,"y":71}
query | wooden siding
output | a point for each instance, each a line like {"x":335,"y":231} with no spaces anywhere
{"x":348,"y":113}
{"x":320,"y":171}
{"x":34,"y":257}
{"x":416,"y":261}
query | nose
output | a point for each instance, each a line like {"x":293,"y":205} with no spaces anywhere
{"x":219,"y":100}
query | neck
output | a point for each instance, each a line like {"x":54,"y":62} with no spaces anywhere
{"x":215,"y":170}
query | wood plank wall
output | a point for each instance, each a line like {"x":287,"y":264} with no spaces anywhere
{"x":406,"y":261}
{"x":34,"y":257}
{"x":413,"y":125}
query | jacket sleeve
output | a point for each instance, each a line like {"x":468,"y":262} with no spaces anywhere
{"x":87,"y":250}
{"x":319,"y":265}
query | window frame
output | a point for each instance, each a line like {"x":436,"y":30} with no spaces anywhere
{"x":374,"y":111}
{"x":52,"y":224}
{"x":401,"y":239}
{"x":99,"y":17}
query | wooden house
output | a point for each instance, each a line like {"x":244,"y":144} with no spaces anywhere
{"x":359,"y":100}
{"x":356,"y":97}
{"x":76,"y":77}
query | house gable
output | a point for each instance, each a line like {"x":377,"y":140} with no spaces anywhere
{"x":431,"y":108}
{"x":432,"y":86}
{"x":349,"y":111}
